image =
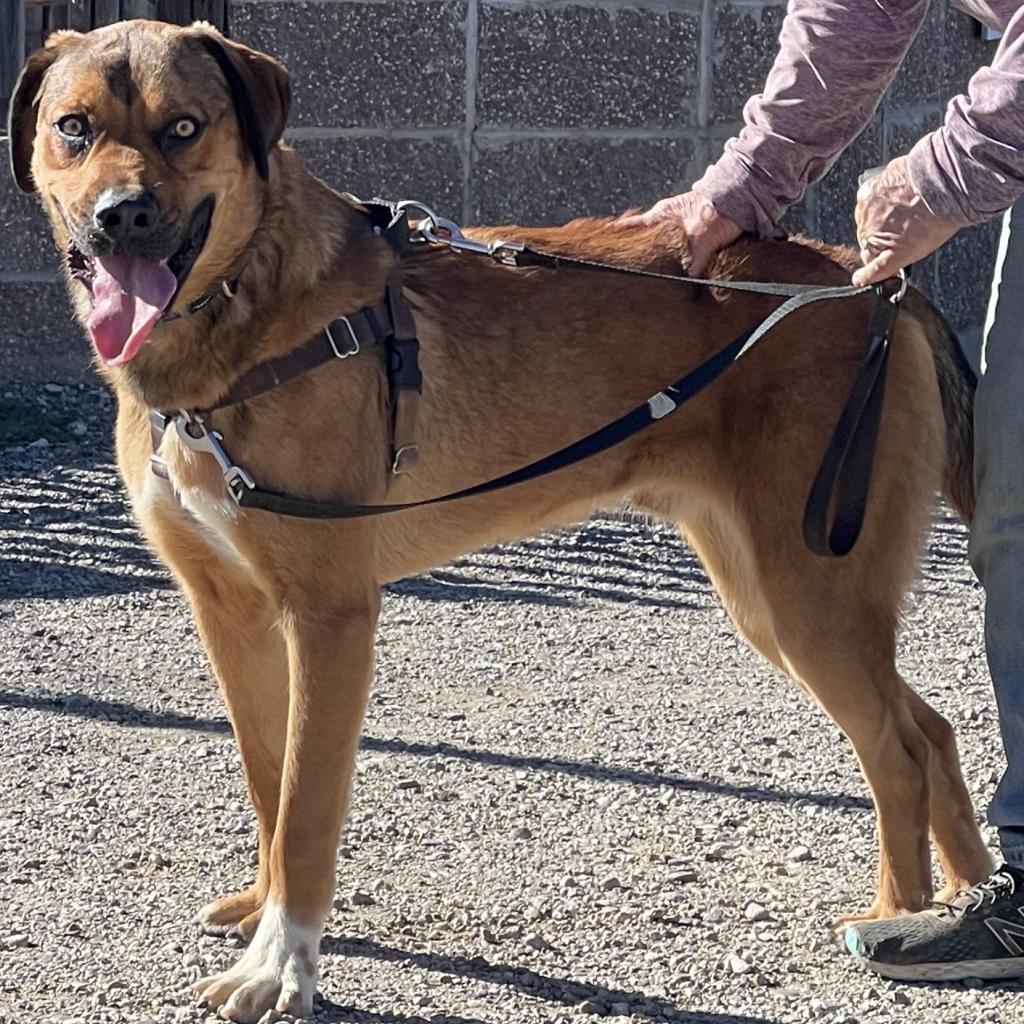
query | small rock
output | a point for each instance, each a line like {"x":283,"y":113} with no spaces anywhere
{"x":538,"y":942}
{"x":79,"y":428}
{"x":40,"y":442}
{"x":737,"y":964}
{"x":756,"y":912}
{"x":522,"y":833}
{"x":412,"y":784}
{"x":720,"y":851}
{"x":713,"y":916}
{"x":611,"y":883}
{"x":589,"y":1006}
{"x":682,"y":877}
{"x":362,"y":899}
{"x":900,"y":998}
{"x":798,"y":855}
{"x":54,"y":389}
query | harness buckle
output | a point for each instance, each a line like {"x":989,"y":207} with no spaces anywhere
{"x":405,"y":458}
{"x":343,"y":353}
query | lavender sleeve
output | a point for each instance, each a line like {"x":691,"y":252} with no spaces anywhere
{"x":835,"y":61}
{"x":972,"y":168}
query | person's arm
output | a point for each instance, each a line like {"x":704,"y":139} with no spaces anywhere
{"x":972,"y":168}
{"x":835,"y":61}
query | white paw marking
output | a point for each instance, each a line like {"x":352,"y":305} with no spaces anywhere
{"x":277,"y":972}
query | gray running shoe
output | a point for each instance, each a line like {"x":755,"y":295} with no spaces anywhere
{"x":979,"y":935}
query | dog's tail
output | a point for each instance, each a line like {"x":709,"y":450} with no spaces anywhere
{"x":957,"y":384}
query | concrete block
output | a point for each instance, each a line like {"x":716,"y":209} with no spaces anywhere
{"x":837,"y":191}
{"x":920,"y":79}
{"x":965,"y":267}
{"x":382,"y":64}
{"x":745,"y":44}
{"x":428,"y":170}
{"x":549,"y":181}
{"x":586,"y":67}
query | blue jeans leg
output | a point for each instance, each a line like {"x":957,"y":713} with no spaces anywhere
{"x":997,"y":536}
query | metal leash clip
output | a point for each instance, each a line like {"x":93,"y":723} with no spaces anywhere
{"x":193,"y":433}
{"x":442,"y":231}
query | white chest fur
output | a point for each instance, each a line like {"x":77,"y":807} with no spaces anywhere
{"x":201,"y":494}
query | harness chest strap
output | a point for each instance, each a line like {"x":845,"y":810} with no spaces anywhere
{"x":388,"y":323}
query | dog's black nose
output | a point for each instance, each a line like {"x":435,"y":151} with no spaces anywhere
{"x":126,"y":217}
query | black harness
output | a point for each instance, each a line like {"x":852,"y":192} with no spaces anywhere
{"x":837,"y":502}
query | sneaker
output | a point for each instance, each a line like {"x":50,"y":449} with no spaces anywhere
{"x":979,"y":935}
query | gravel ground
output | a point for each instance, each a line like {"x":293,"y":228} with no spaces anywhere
{"x":579,"y":794}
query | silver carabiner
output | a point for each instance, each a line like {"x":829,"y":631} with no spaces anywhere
{"x":236,"y":479}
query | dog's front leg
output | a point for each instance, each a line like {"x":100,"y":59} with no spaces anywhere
{"x":330,"y":655}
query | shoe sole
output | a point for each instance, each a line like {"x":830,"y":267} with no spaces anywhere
{"x":1002,"y":969}
{"x":987,"y":970}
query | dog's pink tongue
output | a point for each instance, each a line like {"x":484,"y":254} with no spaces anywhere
{"x":129,"y":295}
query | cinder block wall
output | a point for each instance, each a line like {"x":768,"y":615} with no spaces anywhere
{"x":495,"y":110}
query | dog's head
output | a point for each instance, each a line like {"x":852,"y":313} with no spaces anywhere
{"x":150,"y":147}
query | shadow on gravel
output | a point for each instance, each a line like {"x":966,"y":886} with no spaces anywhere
{"x":562,"y":569}
{"x":541,"y":986}
{"x":81,"y":706}
{"x":64,"y":535}
{"x":330,"y":1012}
{"x":453,"y":586}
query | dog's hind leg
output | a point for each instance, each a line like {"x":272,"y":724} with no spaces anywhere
{"x":963,"y":854}
{"x":237,"y":624}
{"x":834,"y":632}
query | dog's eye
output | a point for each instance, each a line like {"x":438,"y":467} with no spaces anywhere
{"x":73,"y":126}
{"x":183,"y":128}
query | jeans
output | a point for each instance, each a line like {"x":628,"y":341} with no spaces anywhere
{"x":997,"y":536}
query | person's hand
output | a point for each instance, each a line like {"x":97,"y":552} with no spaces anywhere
{"x":894,"y":227}
{"x":705,"y":228}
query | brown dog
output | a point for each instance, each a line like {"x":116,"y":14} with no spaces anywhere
{"x":155,"y":150}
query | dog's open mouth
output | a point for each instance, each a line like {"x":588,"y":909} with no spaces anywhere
{"x":130,"y":294}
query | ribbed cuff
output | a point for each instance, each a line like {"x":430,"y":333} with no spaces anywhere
{"x":938,"y":176}
{"x":729,"y":186}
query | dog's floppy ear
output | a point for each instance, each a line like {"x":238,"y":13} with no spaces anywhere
{"x":260,"y":90}
{"x":21,"y":116}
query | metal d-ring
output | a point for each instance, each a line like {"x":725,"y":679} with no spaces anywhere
{"x":897,"y":297}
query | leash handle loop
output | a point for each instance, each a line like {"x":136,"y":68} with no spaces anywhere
{"x":837,"y":502}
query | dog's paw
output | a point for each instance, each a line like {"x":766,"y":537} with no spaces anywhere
{"x":277,"y":972}
{"x":876,"y":912}
{"x":239,"y":913}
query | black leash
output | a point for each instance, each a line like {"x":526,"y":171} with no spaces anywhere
{"x":835,"y":508}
